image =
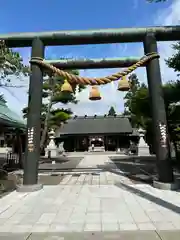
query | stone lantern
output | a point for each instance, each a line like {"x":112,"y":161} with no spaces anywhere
{"x":51,"y":149}
{"x":143,"y":148}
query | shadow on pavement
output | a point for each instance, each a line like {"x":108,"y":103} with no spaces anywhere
{"x":139,"y":169}
{"x":69,"y":163}
{"x":149,"y":197}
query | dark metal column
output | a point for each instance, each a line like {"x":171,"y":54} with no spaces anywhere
{"x":34,"y":117}
{"x":160,"y":134}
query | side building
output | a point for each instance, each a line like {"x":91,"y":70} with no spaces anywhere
{"x":107,"y":132}
{"x":12,"y":130}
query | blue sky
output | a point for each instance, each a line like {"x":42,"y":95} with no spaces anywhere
{"x":45,"y":15}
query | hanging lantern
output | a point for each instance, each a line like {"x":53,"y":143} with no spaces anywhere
{"x":66,"y":87}
{"x":94,"y":94}
{"x":123,"y":84}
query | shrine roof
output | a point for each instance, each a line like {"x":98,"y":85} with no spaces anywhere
{"x":95,"y":125}
{"x":10,"y":118}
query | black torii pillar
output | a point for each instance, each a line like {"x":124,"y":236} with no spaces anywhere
{"x":160,"y":132}
{"x":32,"y":155}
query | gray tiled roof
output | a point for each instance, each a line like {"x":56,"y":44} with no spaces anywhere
{"x":95,"y":125}
{"x":9,"y":117}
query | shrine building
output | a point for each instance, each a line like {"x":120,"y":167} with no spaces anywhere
{"x":107,"y":133}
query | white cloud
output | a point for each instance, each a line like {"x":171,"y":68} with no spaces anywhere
{"x":168,"y":16}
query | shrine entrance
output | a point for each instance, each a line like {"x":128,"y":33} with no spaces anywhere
{"x":149,"y":36}
{"x":97,"y":141}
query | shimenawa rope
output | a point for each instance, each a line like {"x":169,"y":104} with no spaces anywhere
{"x":94,"y":81}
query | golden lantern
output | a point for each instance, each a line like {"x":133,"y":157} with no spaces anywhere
{"x":94,"y":94}
{"x":123,"y":84}
{"x":66,"y":87}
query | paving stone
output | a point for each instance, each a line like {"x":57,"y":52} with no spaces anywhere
{"x":14,"y":236}
{"x":109,"y":218}
{"x":110,"y":226}
{"x":75,"y":227}
{"x":169,"y":235}
{"x":40,"y":228}
{"x":60,"y":219}
{"x":156,"y":216}
{"x":93,"y":218}
{"x":176,"y":224}
{"x":164,"y":226}
{"x":140,"y":218}
{"x":41,"y":236}
{"x":30,"y":218}
{"x":46,"y":218}
{"x":3,"y":221}
{"x":125,"y":217}
{"x":16,"y":218}
{"x":6,"y":228}
{"x":146,"y":226}
{"x":139,"y":235}
{"x":92,"y":206}
{"x":24,"y":209}
{"x":59,"y":228}
{"x":21,"y":228}
{"x":92,"y":227}
{"x":128,"y":226}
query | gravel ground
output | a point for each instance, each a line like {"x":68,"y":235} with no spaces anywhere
{"x":69,"y":164}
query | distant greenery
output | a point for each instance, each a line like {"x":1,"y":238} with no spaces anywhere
{"x":112,"y":111}
{"x":138,"y":106}
{"x":11,"y":64}
{"x":53,"y":113}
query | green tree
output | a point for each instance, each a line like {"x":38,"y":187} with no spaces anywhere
{"x":11,"y":69}
{"x":137,"y":92}
{"x":138,"y":106}
{"x":11,"y":64}
{"x":112,"y":111}
{"x":51,"y":115}
{"x":174,"y":61}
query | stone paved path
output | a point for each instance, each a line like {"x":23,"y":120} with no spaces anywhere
{"x":107,"y":202}
{"x":95,"y":177}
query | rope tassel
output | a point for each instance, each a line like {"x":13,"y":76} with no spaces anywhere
{"x":66,"y":87}
{"x":123,"y":85}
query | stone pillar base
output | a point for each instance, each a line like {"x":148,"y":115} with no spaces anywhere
{"x":143,"y":151}
{"x":53,"y":152}
{"x":166,"y":186}
{"x":29,"y":188}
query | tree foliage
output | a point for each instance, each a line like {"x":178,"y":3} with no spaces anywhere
{"x":138,"y":106}
{"x":174,"y":61}
{"x":52,"y":115}
{"x":112,"y":111}
{"x":11,"y":64}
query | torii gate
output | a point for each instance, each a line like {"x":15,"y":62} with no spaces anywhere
{"x":38,"y":41}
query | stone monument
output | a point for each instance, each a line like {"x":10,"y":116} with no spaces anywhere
{"x":61,"y":147}
{"x":143,"y":148}
{"x":51,"y":149}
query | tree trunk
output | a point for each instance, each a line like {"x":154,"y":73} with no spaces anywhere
{"x":45,"y":130}
{"x":19,"y":150}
